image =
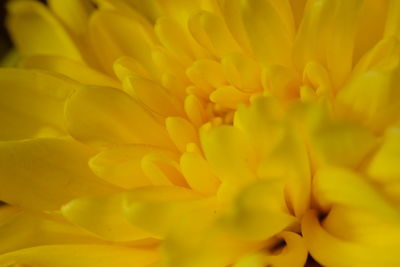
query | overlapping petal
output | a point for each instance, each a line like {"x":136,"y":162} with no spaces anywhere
{"x":201,"y":133}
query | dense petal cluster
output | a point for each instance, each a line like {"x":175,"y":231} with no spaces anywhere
{"x":197,"y":133}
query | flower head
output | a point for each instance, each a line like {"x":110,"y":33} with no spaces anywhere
{"x":201,"y":133}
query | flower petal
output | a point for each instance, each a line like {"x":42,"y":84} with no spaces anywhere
{"x":23,"y":229}
{"x":109,"y":223}
{"x":294,"y":253}
{"x":384,"y":166}
{"x":296,"y":176}
{"x":74,"y":13}
{"x":198,"y":173}
{"x":154,"y":96}
{"x":327,"y":36}
{"x":157,"y":209}
{"x":340,"y":142}
{"x":242,"y":72}
{"x":392,"y":23}
{"x":114,"y":35}
{"x":31,"y":101}
{"x":361,"y":226}
{"x":340,"y":49}
{"x":195,"y":110}
{"x":383,"y":56}
{"x":151,"y":9}
{"x":229,"y":153}
{"x":121,"y":165}
{"x":173,"y":37}
{"x":261,"y":122}
{"x":46,"y":173}
{"x":379,"y":106}
{"x":181,"y":132}
{"x":343,"y":187}
{"x":206,"y":74}
{"x":232,"y":13}
{"x":71,"y":69}
{"x":162,"y":169}
{"x":211,"y":32}
{"x":270,"y":39}
{"x":229,"y":97}
{"x":371,"y":11}
{"x":36,"y":31}
{"x":329,"y":250}
{"x":80,"y":255}
{"x":102,"y":116}
{"x":259,"y":212}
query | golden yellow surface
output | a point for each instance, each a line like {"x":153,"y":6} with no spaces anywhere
{"x":201,"y":133}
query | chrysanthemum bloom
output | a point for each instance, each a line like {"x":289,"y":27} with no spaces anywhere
{"x":201,"y":133}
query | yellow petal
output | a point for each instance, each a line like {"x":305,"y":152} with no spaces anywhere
{"x":342,"y":186}
{"x":296,"y":177}
{"x":71,"y":69}
{"x":162,"y":170}
{"x":317,"y":77}
{"x":198,"y":173}
{"x":177,"y":14}
{"x":378,"y":106}
{"x":103,"y":216}
{"x":181,"y":9}
{"x":268,"y":32}
{"x":23,"y":229}
{"x":282,"y":82}
{"x":298,"y":7}
{"x":209,"y":245}
{"x":261,"y":122}
{"x":168,"y":63}
{"x":181,"y":132}
{"x":153,"y":96}
{"x":35,"y":31}
{"x":392,"y":23}
{"x":122,"y":165}
{"x":173,"y":37}
{"x":31,"y":101}
{"x":371,"y":10}
{"x":74,"y":13}
{"x":211,"y":32}
{"x":232,"y":13}
{"x":329,"y":250}
{"x":294,"y":253}
{"x":80,"y":255}
{"x":363,"y":227}
{"x":206,"y":74}
{"x":229,"y":153}
{"x":313,"y":33}
{"x":259,"y":212}
{"x":46,"y":173}
{"x":384,"y":166}
{"x":327,"y":36}
{"x":339,"y":52}
{"x":195,"y":110}
{"x":383,"y":56}
{"x":175,"y":84}
{"x":340,"y":143}
{"x":102,"y":116}
{"x":157,"y":209}
{"x":114,"y":35}
{"x":229,"y":97}
{"x":127,"y":66}
{"x":151,"y":8}
{"x":242,"y":72}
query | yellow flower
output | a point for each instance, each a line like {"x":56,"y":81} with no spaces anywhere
{"x":201,"y":133}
